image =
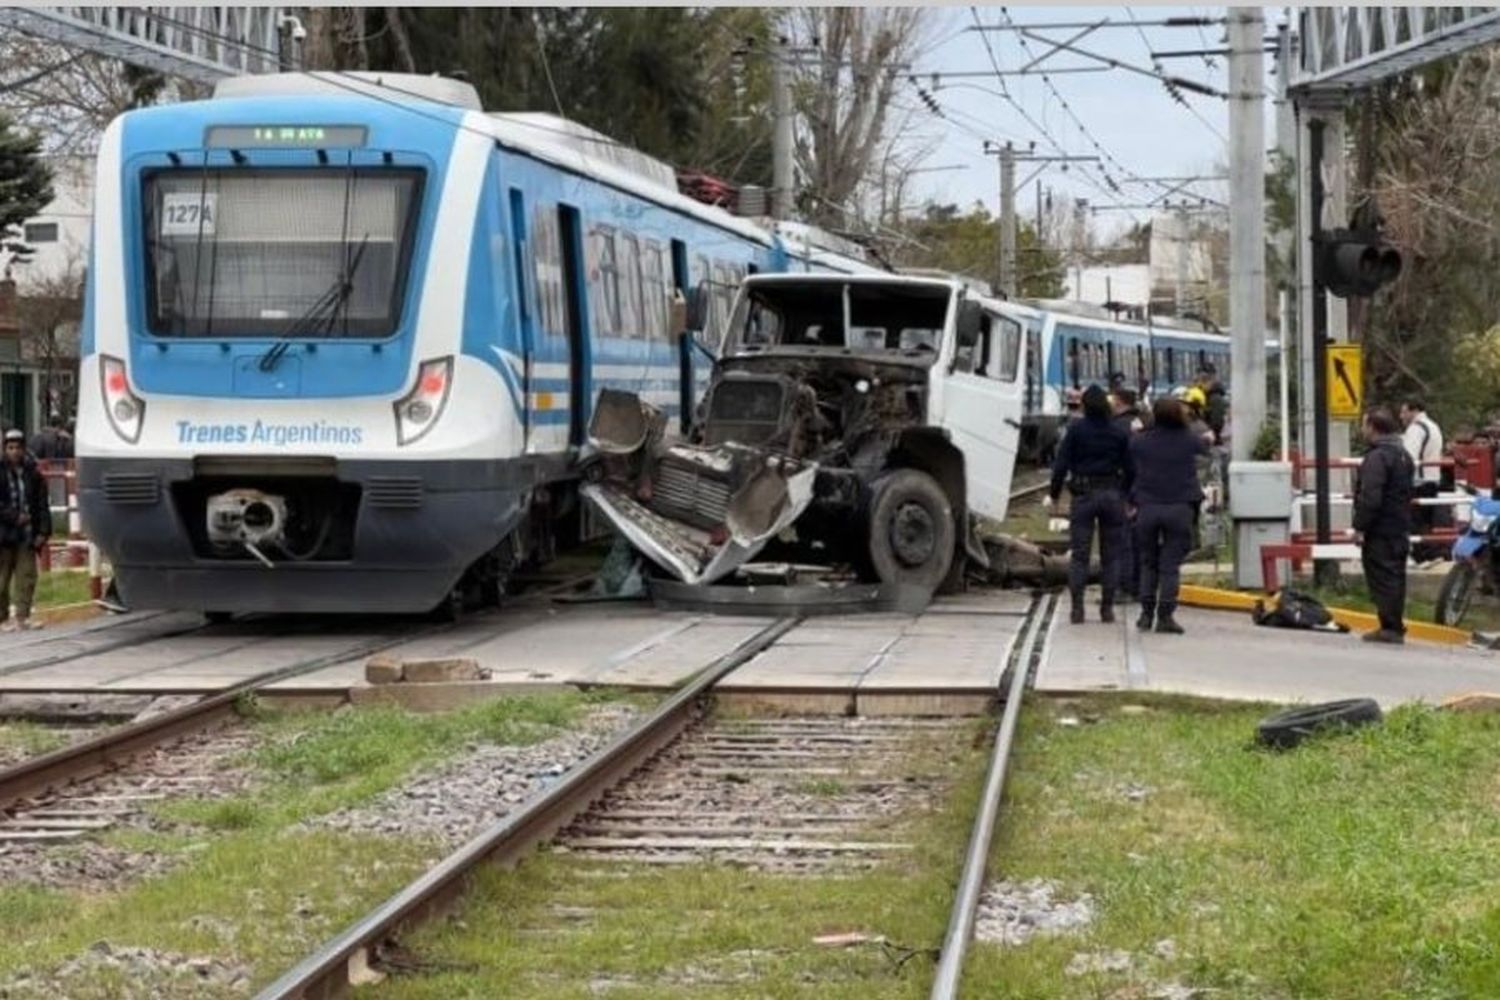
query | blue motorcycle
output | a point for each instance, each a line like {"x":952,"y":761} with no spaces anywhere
{"x":1476,"y":562}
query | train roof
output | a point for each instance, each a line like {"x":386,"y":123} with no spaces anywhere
{"x":558,"y":141}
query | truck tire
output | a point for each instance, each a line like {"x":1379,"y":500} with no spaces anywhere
{"x":912,"y":536}
{"x":1456,"y":593}
{"x":1285,"y":730}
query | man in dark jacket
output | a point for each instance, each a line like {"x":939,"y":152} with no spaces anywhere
{"x":1094,"y":460}
{"x":1382,"y":522}
{"x":25,"y":525}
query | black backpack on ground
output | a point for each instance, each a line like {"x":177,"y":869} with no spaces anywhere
{"x":1293,"y":609}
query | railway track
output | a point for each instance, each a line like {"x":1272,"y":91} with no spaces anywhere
{"x":35,"y":779}
{"x":40,"y":776}
{"x":658,"y":795}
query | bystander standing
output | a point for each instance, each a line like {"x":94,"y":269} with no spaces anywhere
{"x":1382,"y":522}
{"x":25,"y":527}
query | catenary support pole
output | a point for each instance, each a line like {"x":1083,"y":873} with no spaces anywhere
{"x":1247,"y":254}
{"x":1008,"y":220}
{"x":782,"y":178}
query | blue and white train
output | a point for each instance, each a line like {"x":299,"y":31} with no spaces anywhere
{"x":1067,"y":348}
{"x":341,"y":337}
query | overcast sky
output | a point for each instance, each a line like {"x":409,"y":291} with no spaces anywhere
{"x":1132,"y":117}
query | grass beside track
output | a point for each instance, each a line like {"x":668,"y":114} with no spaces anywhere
{"x":1359,"y":865}
{"x":28,"y":739}
{"x":252,"y":887}
{"x":60,"y":587}
{"x":557,"y":928}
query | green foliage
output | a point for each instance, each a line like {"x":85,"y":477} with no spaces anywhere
{"x":1358,"y":865}
{"x":1474,"y":399}
{"x":1267,"y":442}
{"x":970,"y":244}
{"x":25,"y":187}
{"x":664,"y":80}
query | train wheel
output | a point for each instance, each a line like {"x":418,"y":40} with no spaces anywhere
{"x":911,"y":535}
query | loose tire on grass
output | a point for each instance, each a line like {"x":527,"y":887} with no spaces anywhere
{"x":1285,"y":730}
{"x":912,"y":534}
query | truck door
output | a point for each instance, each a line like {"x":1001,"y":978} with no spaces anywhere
{"x":982,"y":403}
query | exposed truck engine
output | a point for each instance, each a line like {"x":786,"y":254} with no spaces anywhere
{"x":858,"y":422}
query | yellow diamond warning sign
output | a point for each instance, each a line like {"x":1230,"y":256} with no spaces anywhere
{"x":1346,"y":380}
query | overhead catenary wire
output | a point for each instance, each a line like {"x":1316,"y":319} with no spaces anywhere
{"x":1026,"y":116}
{"x":1171,"y":88}
{"x":1083,"y":130}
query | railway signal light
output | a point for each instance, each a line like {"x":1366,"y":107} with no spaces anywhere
{"x":1356,"y":263}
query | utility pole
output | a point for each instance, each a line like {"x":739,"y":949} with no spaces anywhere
{"x":1247,"y":238}
{"x":1009,"y":277}
{"x":782,"y":177}
{"x":1008,"y":221}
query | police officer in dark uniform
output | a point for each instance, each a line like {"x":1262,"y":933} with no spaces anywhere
{"x":1094,"y":460}
{"x":1166,"y":496}
{"x":1382,"y":522}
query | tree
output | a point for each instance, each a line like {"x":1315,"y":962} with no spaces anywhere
{"x":673,"y":82}
{"x":1434,"y":179}
{"x":69,"y":96}
{"x":968,"y":244}
{"x":846,"y":103}
{"x":25,"y":189}
{"x":49,"y":309}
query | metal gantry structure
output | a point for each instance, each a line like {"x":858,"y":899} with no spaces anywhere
{"x":1345,"y":48}
{"x":204,"y":44}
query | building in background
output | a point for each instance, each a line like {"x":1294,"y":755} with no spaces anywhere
{"x":41,"y":304}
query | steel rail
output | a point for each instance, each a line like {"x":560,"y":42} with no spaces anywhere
{"x":966,"y":900}
{"x":326,"y":973}
{"x":94,"y":756}
{"x":53,"y":659}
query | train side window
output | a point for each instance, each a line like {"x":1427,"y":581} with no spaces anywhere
{"x":521,"y":255}
{"x":606,"y":275}
{"x":631,"y":290}
{"x":1073,"y":361}
{"x":546,"y":258}
{"x":654,"y":291}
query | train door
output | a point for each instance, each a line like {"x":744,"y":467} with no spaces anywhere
{"x":687,"y":357}
{"x":982,"y":412}
{"x":571,"y":225}
{"x":525,"y":303}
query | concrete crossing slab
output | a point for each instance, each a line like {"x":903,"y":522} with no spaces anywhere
{"x":1226,"y":655}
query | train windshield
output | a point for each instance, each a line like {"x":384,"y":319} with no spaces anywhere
{"x":862,"y":316}
{"x":299,"y":253}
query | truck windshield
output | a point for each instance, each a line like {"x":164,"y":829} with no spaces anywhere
{"x":245,"y":252}
{"x":905,"y":317}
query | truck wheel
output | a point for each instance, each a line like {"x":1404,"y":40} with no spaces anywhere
{"x":1457,"y":593}
{"x":911,"y":529}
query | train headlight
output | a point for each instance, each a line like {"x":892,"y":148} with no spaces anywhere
{"x":126,"y":410}
{"x":419,"y":410}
